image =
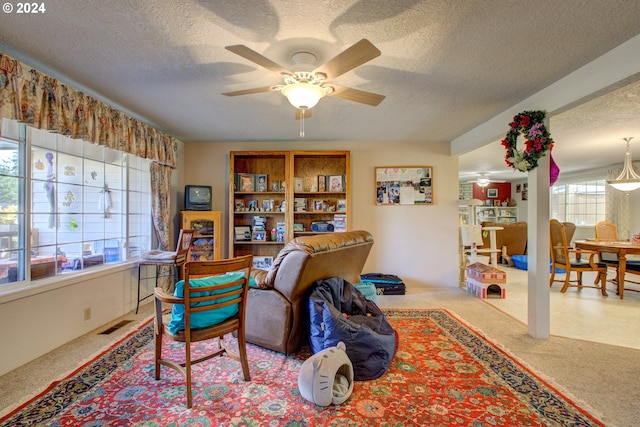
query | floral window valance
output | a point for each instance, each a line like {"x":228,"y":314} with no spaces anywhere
{"x":41,"y":101}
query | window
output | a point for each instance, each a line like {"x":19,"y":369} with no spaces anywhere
{"x":89,"y":205}
{"x":581,"y":202}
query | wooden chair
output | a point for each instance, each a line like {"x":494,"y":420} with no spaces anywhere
{"x":632,"y":267}
{"x":208,"y":291}
{"x":606,"y":230}
{"x":570,"y":230}
{"x":561,"y":258}
{"x":172,"y":260}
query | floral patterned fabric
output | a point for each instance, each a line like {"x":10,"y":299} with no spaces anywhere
{"x":444,"y":373}
{"x":160,"y":213}
{"x":38,"y":100}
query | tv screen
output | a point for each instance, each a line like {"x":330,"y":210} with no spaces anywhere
{"x":197,"y":197}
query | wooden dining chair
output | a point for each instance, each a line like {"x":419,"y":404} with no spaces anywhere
{"x":606,"y":230}
{"x":632,"y":267}
{"x":570,"y":260}
{"x":208,"y":303}
{"x":570,"y":230}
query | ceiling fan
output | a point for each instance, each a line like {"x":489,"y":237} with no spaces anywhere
{"x":305,"y":87}
{"x":483,"y":180}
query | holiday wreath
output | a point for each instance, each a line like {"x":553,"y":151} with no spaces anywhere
{"x":537,"y":140}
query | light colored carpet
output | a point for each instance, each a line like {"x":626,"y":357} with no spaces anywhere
{"x":601,"y":377}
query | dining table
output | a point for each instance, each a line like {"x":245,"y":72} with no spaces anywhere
{"x":621,"y":248}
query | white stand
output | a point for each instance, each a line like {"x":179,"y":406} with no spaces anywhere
{"x":492,"y":244}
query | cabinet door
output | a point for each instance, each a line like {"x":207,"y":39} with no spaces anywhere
{"x":206,"y":240}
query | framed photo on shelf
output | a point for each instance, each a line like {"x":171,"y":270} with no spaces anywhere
{"x":258,"y":236}
{"x":247,"y":182}
{"x":318,"y":205}
{"x":492,"y":193}
{"x":342,"y":205}
{"x":261,"y":182}
{"x":275,"y":185}
{"x":322,"y":183}
{"x":252,"y":205}
{"x":336,"y":183}
{"x":298,"y":185}
{"x":239,"y":203}
{"x":262,"y":262}
{"x":242,"y":233}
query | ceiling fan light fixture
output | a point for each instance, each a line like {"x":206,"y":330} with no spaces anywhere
{"x":628,"y":180}
{"x":482,"y":182}
{"x":303,"y":95}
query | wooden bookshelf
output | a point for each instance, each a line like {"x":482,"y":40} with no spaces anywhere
{"x":266,"y":200}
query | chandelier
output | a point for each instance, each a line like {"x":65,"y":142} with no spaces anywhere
{"x":628,"y":180}
{"x":482,"y":182}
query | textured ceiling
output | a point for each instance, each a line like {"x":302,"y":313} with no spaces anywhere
{"x":446,"y":66}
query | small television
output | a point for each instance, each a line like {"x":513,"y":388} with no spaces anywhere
{"x":197,"y":197}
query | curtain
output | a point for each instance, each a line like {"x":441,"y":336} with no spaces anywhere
{"x":160,"y":213}
{"x":40,"y":101}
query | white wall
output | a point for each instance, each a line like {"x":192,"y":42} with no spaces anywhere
{"x":40,"y":322}
{"x":417,"y":243}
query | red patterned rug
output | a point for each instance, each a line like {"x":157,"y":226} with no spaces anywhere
{"x":443,"y":374}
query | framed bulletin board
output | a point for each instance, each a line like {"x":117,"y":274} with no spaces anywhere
{"x":404,"y":185}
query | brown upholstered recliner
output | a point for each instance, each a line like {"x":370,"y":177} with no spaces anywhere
{"x":276,"y":309}
{"x":512,"y":239}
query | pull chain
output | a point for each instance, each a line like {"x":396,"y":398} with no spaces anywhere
{"x":302,"y":114}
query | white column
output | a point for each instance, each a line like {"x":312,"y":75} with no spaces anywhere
{"x":538,"y":251}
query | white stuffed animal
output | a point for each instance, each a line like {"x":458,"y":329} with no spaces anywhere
{"x":327,"y":376}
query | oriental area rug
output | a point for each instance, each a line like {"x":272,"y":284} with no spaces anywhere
{"x":444,"y":373}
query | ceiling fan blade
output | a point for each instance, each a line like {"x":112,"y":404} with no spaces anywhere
{"x":249,"y":91}
{"x":352,"y":57}
{"x":255,"y":57}
{"x":356,"y":95}
{"x":307,"y":113}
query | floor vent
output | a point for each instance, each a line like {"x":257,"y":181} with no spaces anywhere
{"x":115,"y":327}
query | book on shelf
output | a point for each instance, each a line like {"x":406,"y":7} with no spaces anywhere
{"x":259,"y":223}
{"x":339,"y":222}
{"x":280,"y":231}
{"x":300,"y":204}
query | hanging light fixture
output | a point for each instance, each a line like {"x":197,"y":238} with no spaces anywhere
{"x":303,"y":95}
{"x":482,"y":182}
{"x":628,"y":180}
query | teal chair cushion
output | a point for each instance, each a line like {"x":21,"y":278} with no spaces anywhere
{"x":207,"y":318}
